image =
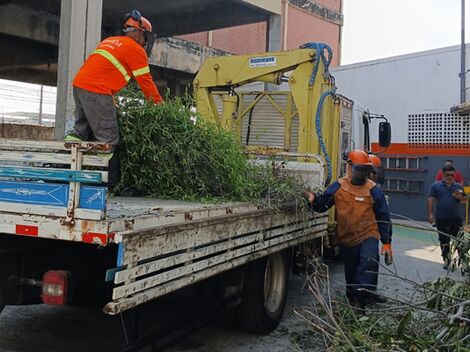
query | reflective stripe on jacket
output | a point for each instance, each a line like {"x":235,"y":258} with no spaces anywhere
{"x":112,"y":64}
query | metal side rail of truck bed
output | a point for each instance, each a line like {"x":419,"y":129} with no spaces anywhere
{"x":162,"y":259}
{"x":56,"y":191}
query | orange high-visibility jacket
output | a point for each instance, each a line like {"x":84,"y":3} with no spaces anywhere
{"x":112,"y":64}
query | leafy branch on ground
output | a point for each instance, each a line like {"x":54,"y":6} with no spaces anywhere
{"x":169,"y":151}
{"x":434,"y":317}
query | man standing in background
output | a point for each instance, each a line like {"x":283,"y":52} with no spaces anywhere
{"x":458,"y":176}
{"x":445,"y":197}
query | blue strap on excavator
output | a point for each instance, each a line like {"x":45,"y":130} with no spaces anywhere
{"x":320,"y":55}
{"x":320,"y":136}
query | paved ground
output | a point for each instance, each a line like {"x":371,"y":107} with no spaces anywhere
{"x":44,"y":328}
{"x":417,"y":258}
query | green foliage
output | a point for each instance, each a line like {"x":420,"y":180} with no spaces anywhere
{"x":460,"y":251}
{"x":435,"y":316}
{"x":412,"y":327}
{"x":167,"y":151}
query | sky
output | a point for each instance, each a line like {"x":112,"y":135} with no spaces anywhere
{"x":375,"y":29}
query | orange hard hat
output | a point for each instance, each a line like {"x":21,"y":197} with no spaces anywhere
{"x":136,"y":20}
{"x":375,"y":160}
{"x":358,"y":157}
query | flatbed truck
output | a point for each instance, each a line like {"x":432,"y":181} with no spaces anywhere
{"x":63,"y":240}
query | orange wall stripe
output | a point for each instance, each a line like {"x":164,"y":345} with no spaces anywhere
{"x":424,"y":149}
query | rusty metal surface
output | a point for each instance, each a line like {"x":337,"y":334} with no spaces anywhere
{"x":119,"y":207}
{"x":151,"y":289}
{"x":162,"y":259}
{"x":146,"y":244}
{"x":132,"y":214}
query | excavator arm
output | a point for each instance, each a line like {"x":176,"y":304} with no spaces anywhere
{"x":311,"y":86}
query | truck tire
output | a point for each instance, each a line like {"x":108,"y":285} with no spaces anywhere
{"x":264,"y":293}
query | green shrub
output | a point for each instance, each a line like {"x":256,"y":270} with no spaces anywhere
{"x":167,"y":151}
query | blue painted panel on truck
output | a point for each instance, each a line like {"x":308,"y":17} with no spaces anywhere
{"x":51,"y":194}
{"x":51,"y":175}
{"x":92,"y":197}
{"x":413,"y":205}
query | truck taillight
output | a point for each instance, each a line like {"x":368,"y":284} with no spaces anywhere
{"x":55,"y":287}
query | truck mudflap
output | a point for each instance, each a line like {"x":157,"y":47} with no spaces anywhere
{"x":157,"y":261}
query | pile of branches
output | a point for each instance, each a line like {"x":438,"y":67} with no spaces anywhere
{"x":460,"y":251}
{"x":168,"y":151}
{"x":435,"y":317}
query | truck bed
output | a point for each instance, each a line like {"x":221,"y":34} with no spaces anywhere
{"x":192,"y":242}
{"x":155,"y":246}
{"x":136,"y":213}
{"x":119,"y":207}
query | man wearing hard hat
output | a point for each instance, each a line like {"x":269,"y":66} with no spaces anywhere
{"x":363,"y":218}
{"x":105,"y":72}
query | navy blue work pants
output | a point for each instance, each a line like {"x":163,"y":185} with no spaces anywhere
{"x":361,"y":267}
{"x":447,"y":227}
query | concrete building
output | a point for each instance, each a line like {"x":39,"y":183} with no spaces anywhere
{"x":46,"y":41}
{"x":302,"y":21}
{"x":415,"y":92}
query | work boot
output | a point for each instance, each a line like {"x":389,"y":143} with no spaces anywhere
{"x":72,"y":137}
{"x":352,"y":299}
{"x":358,"y":306}
{"x":377,"y":298}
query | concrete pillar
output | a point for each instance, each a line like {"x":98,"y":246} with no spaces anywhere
{"x":273,"y":33}
{"x":80,"y":33}
{"x":273,"y":41}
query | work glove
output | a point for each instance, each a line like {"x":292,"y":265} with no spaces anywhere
{"x":310,"y":197}
{"x":387,"y":251}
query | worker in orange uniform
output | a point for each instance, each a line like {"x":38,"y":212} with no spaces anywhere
{"x":362,"y":217}
{"x":106,"y":71}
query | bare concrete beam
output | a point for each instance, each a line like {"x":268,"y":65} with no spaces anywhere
{"x":26,"y":53}
{"x":319,"y":10}
{"x":40,"y":20}
{"x":32,"y":75}
{"x":181,"y":55}
{"x":52,"y":6}
{"x":213,"y":17}
{"x":25,"y":22}
{"x":272,"y":6}
{"x":273,"y":42}
{"x":273,"y":39}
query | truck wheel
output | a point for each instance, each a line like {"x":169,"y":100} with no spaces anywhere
{"x":264,"y":293}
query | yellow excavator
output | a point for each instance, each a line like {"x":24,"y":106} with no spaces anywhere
{"x":293,"y":111}
{"x":301,"y":117}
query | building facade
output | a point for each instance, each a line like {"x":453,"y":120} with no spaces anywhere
{"x":302,"y":21}
{"x":415,"y":92}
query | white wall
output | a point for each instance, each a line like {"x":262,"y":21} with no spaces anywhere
{"x":401,"y":85}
